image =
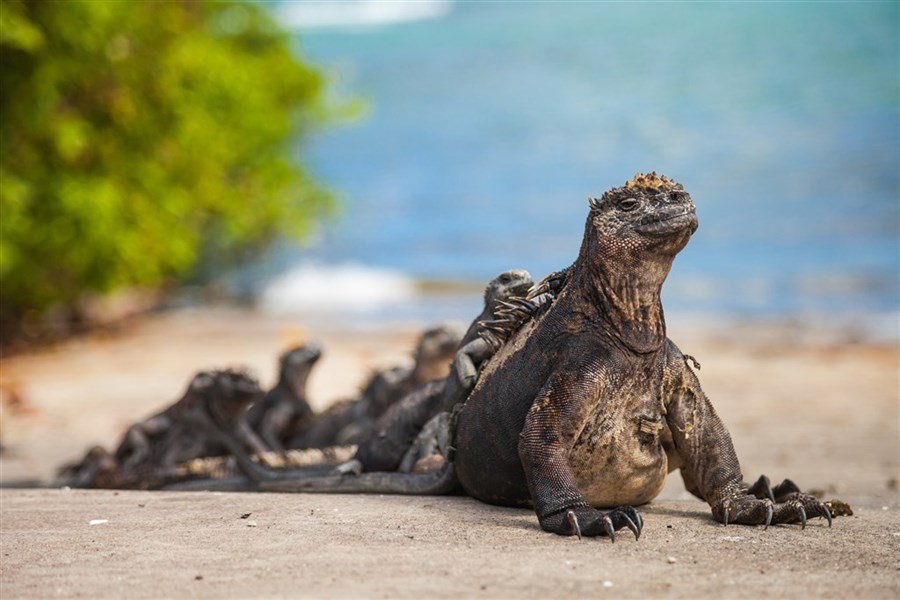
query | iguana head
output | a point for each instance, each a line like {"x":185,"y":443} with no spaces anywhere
{"x":506,"y":285}
{"x":434,"y":352}
{"x":650,"y":213}
{"x":296,"y":365}
{"x":227,"y":393}
{"x":631,"y":237}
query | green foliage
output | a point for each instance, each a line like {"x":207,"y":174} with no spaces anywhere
{"x":141,"y":139}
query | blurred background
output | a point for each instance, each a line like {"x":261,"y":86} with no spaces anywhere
{"x":379,"y":161}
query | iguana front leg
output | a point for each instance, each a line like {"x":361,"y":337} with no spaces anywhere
{"x":544,"y":445}
{"x":710,"y":466}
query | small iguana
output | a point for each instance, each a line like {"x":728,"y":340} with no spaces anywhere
{"x":192,"y":427}
{"x":284,"y":410}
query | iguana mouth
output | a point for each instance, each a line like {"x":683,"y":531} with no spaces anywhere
{"x":669,"y":224}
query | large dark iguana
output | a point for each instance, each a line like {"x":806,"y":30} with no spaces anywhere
{"x":589,"y":405}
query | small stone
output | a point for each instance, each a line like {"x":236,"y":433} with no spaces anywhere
{"x":607,"y":584}
{"x":251,"y":523}
{"x":671,"y":560}
{"x":98,"y":521}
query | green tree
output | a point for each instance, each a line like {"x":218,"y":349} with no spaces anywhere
{"x":139,"y":140}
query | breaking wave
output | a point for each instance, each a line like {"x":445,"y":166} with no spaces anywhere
{"x":349,"y":287}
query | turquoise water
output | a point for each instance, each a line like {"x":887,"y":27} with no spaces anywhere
{"x":489,"y":125}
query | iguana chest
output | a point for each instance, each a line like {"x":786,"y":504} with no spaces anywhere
{"x":617,"y":458}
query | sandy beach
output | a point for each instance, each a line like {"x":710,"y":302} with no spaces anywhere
{"x":820,"y":409}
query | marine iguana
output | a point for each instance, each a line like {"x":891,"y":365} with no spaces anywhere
{"x":284,"y":410}
{"x":589,"y":405}
{"x":214,"y":402}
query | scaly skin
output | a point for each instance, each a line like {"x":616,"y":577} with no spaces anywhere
{"x":589,"y":405}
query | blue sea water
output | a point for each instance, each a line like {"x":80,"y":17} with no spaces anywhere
{"x":488,"y":124}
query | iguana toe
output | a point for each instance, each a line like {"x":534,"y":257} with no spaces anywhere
{"x":799,"y":507}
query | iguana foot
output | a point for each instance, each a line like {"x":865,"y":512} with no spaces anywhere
{"x":587,"y":521}
{"x":792,"y":507}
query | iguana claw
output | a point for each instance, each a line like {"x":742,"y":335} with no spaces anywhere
{"x":633,"y":527}
{"x":573,"y":523}
{"x":769,"y":512}
{"x":608,"y":528}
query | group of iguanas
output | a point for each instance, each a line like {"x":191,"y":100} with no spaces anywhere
{"x":565,"y":396}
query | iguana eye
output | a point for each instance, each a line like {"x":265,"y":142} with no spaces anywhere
{"x":628,"y":204}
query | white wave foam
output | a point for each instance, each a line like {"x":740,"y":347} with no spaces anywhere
{"x":316,"y":288}
{"x":356,"y":13}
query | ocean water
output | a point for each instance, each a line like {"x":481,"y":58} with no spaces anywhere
{"x":488,"y":124}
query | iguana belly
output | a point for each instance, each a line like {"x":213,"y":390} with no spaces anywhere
{"x":624,"y":464}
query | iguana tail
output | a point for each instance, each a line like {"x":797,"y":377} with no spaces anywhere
{"x":439,"y":482}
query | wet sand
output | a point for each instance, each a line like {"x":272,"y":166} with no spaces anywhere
{"x":821,"y":410}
